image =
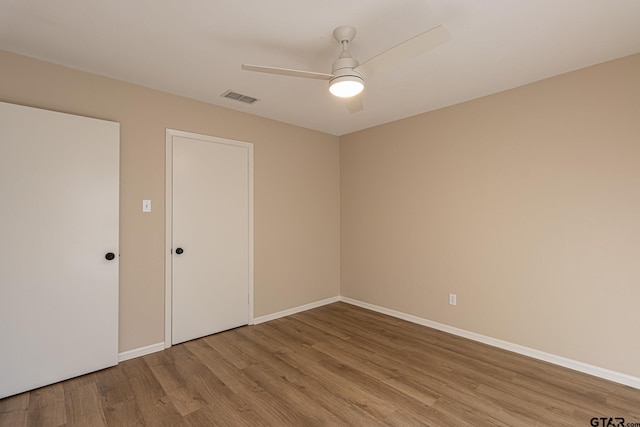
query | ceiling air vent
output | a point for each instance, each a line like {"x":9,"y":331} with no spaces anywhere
{"x":239,"y":97}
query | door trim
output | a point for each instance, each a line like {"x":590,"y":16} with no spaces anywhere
{"x":170,"y":133}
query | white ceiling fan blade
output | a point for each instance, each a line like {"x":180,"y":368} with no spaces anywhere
{"x":354,"y":104}
{"x":287,"y":72}
{"x":406,"y":50}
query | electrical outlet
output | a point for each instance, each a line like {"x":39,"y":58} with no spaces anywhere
{"x":452,"y":299}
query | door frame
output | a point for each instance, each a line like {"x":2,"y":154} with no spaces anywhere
{"x":168,"y":271}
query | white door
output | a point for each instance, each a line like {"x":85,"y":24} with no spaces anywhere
{"x":59,"y":209}
{"x":211,"y":233}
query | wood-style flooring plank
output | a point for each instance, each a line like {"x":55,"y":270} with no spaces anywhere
{"x":267,"y":366}
{"x":82,"y":406}
{"x":13,"y":410}
{"x":152,"y":403}
{"x":267,"y":407}
{"x":46,"y":406}
{"x":118,"y":399}
{"x":308,"y":379}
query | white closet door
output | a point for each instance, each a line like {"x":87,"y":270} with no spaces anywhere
{"x":211,"y":230}
{"x":59,"y":190}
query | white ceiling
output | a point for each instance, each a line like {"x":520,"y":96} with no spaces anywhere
{"x":194,"y":48}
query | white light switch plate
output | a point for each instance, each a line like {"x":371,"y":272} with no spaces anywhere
{"x":146,"y":206}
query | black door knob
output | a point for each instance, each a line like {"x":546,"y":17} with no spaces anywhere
{"x":179,"y":251}
{"x":109,"y":256}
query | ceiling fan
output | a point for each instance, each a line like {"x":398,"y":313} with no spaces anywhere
{"x":348,"y":75}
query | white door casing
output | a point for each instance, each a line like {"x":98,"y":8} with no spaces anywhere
{"x":209,"y":217}
{"x":59,"y":198}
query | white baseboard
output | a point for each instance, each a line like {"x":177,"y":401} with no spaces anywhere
{"x":137,"y":352}
{"x":586,"y":368}
{"x":596,"y":371}
{"x":289,"y":312}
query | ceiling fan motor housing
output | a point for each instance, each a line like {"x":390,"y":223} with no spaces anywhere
{"x":345,"y":72}
{"x":344,"y":63}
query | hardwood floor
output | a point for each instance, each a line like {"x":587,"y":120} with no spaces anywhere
{"x":334,"y":365}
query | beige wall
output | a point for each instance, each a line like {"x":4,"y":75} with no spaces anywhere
{"x":296,"y":188}
{"x":526,"y":204}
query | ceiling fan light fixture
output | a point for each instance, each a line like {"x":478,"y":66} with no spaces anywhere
{"x":346,"y":79}
{"x":346,"y":86}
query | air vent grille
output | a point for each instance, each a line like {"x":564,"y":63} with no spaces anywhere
{"x":239,"y":97}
